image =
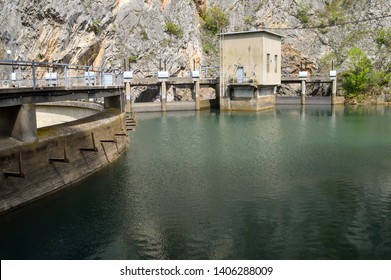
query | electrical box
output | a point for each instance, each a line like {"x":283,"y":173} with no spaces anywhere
{"x":128,"y":76}
{"x":51,"y":78}
{"x":303,"y":74}
{"x":195,"y":74}
{"x":163,"y":75}
{"x":90,"y":74}
{"x":13,"y":76}
{"x":108,"y":79}
{"x":90,"y":78}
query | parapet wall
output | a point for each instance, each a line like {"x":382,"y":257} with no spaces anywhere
{"x":63,"y":155}
{"x":53,"y":113}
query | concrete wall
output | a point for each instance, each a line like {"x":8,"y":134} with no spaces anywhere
{"x":338,"y":100}
{"x":61,"y":112}
{"x":312,"y":100}
{"x":318,"y":100}
{"x":244,"y":50}
{"x":253,"y":104}
{"x":271,"y":47}
{"x":288,"y":100}
{"x":173,"y":106}
{"x":19,"y":122}
{"x":249,"y":50}
{"x":146,"y":107}
{"x":181,"y":106}
{"x":41,"y":176}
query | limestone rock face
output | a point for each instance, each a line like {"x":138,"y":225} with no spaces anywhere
{"x":146,"y":35}
{"x":102,"y":33}
{"x":301,"y":22}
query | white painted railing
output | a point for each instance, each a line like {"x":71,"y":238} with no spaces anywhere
{"x":42,"y":74}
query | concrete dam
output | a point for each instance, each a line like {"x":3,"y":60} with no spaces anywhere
{"x":65,"y":153}
{"x":48,"y":142}
{"x":49,"y":138}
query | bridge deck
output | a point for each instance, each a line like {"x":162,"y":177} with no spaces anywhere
{"x":19,"y":96}
{"x":175,"y":81}
{"x":293,"y":80}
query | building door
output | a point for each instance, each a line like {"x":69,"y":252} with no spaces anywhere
{"x":240,"y":74}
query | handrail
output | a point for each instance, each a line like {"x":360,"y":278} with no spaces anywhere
{"x":54,"y":64}
{"x":93,"y":76}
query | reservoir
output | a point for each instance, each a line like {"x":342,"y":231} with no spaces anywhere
{"x":288,"y":183}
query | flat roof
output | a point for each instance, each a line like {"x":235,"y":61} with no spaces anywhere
{"x":250,"y":32}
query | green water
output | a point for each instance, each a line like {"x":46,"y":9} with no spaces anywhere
{"x":291,"y":183}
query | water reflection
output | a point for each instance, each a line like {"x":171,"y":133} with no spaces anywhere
{"x":292,"y":183}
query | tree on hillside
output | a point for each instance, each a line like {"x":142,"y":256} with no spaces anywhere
{"x":358,"y":78}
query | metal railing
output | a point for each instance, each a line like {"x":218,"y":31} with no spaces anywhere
{"x":46,"y":74}
{"x":210,"y":72}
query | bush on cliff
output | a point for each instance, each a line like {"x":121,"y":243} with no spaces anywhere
{"x":359,"y":77}
{"x":174,"y":29}
{"x":215,"y":19}
{"x":363,"y":78}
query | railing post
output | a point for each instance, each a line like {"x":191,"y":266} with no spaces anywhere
{"x":66,"y":75}
{"x":101,"y":76}
{"x":89,"y":78}
{"x":34,"y":76}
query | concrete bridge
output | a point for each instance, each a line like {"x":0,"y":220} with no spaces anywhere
{"x":303,"y":99}
{"x":20,"y":91}
{"x":194,"y":82}
{"x":23,"y":84}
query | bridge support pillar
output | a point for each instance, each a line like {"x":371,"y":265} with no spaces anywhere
{"x":197,"y":95}
{"x":114,"y":102}
{"x":217,"y":92}
{"x":163,"y":95}
{"x":303,"y":90}
{"x":19,"y":122}
{"x":128,"y":106}
{"x":334,"y":91}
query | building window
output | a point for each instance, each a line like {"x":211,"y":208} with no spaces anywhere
{"x":275,"y":63}
{"x":268,"y":62}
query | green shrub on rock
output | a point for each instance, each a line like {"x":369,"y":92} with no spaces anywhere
{"x":174,"y":29}
{"x":215,"y":19}
{"x":358,"y":78}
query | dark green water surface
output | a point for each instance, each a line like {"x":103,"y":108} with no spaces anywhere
{"x":291,"y":183}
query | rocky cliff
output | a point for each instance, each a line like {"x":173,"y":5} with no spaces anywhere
{"x":144,"y":33}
